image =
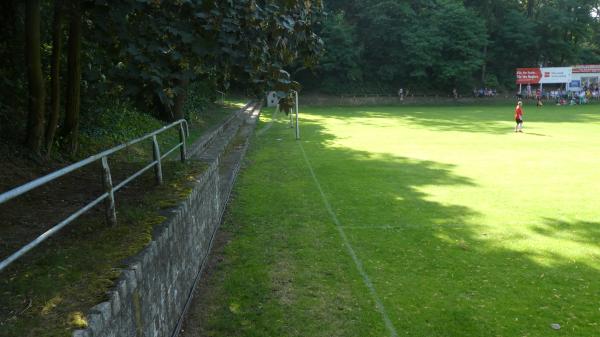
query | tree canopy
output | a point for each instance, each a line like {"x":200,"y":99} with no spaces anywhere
{"x":146,"y":51}
{"x":442,"y":44}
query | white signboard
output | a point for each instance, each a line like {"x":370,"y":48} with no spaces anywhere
{"x":272,"y":99}
{"x":556,"y":75}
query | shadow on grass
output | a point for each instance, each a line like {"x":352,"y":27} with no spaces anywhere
{"x":585,"y":232}
{"x":439,"y":271}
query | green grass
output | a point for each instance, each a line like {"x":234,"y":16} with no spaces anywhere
{"x":464,"y":227}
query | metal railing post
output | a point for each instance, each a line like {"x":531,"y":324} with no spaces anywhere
{"x":111,"y":212}
{"x":157,"y":165}
{"x":182,"y":140}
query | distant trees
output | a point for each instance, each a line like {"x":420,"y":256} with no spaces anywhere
{"x":440,"y":44}
{"x":343,"y":58}
{"x":146,"y":51}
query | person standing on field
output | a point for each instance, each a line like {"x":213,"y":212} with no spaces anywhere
{"x":519,"y":117}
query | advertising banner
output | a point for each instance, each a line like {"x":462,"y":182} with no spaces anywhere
{"x":587,"y":69}
{"x":544,"y":75}
{"x":529,"y":75}
{"x":556,"y":75}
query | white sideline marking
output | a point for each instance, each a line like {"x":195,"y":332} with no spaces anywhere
{"x":359,"y":265}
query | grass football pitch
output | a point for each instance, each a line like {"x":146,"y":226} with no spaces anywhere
{"x":412,"y":221}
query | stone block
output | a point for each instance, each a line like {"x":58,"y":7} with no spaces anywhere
{"x":115,"y":302}
{"x":136,"y":267}
{"x":81,"y":333}
{"x":95,"y":323}
{"x":122,"y":288}
{"x":129,"y":276}
{"x":104,"y":309}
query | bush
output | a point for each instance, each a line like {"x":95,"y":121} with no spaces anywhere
{"x":201,"y":94}
{"x":113,"y":123}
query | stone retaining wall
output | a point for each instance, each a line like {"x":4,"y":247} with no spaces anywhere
{"x":204,"y":142}
{"x":151,"y":294}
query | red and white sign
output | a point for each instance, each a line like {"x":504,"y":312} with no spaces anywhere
{"x":544,"y":75}
{"x":586,"y":69}
{"x":529,"y":75}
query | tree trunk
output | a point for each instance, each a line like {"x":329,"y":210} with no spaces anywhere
{"x":55,"y":75}
{"x":180,"y":99}
{"x":37,"y":95}
{"x":530,"y":6}
{"x":73,"y":99}
{"x":484,"y":66}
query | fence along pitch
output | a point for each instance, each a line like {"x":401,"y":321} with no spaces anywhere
{"x":108,"y":196}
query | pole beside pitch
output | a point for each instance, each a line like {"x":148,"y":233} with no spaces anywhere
{"x":297,"y":116}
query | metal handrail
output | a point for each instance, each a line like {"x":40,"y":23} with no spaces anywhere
{"x":222,"y":96}
{"x":111,"y":215}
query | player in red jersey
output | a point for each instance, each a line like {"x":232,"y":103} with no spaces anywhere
{"x":519,"y":117}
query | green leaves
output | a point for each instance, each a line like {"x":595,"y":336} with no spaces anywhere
{"x":159,"y":43}
{"x":441,"y":44}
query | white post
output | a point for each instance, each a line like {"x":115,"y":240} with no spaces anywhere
{"x":297,"y":112}
{"x":520,"y":89}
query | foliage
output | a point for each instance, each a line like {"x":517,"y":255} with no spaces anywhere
{"x":161,"y":45}
{"x":343,"y":50}
{"x":442,"y":44}
{"x":113,"y":124}
{"x":201,"y":94}
{"x":149,"y":52}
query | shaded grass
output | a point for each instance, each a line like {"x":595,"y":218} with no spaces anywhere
{"x":465,"y":228}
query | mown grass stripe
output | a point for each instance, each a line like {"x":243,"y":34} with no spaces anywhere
{"x":358,"y":263}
